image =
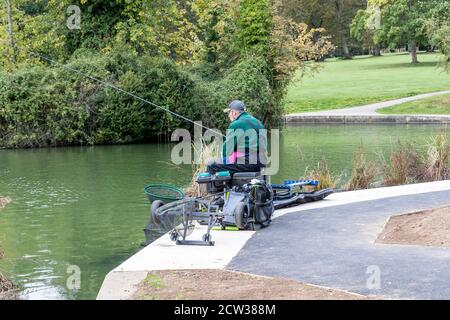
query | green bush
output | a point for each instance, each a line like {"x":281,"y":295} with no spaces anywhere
{"x":248,"y":81}
{"x":56,"y":106}
{"x":38,"y":108}
{"x":52,"y":106}
{"x":123,"y":118}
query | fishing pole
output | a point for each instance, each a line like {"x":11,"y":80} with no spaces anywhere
{"x":110,"y":85}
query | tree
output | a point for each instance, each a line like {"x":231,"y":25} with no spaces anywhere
{"x":12,"y":42}
{"x":438,"y":31}
{"x":291,"y":45}
{"x":216,"y":28}
{"x":364,"y":26}
{"x":254,"y":26}
{"x":160,"y":27}
{"x":334,"y":16}
{"x":403,"y":21}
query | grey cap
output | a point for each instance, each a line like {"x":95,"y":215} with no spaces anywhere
{"x":235,"y":105}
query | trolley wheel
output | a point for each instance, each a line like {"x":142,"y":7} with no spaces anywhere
{"x":206,"y":237}
{"x":155,"y":205}
{"x":174,"y":236}
{"x":240,"y":214}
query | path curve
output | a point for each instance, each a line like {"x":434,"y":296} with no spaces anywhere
{"x":370,"y":109}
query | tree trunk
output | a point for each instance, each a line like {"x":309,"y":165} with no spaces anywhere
{"x":347,"y":54}
{"x":12,"y":43}
{"x":338,"y":4}
{"x":413,"y":50}
{"x":377,"y":50}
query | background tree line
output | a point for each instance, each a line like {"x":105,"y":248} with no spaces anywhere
{"x":192,"y":56}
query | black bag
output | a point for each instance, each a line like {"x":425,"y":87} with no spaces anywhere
{"x":261,"y":202}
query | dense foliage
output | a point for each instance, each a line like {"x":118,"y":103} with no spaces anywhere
{"x":43,"y":106}
{"x":191,"y":56}
{"x":396,"y":23}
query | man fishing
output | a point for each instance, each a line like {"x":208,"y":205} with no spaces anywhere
{"x":245,"y":146}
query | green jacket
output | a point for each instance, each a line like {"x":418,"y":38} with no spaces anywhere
{"x":242,"y":135}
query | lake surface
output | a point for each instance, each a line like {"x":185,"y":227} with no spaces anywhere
{"x":85,"y":206}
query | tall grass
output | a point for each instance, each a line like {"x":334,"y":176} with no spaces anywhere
{"x":404,"y":166}
{"x":363,"y":171}
{"x":322,"y":173}
{"x":7,"y":288}
{"x":206,"y":153}
{"x":436,"y":166}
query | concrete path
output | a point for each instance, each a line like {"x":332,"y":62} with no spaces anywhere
{"x":231,"y":250}
{"x":368,"y":114}
{"x":371,"y":109}
{"x":334,"y":247}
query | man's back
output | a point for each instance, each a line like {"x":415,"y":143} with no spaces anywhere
{"x":246,"y":136}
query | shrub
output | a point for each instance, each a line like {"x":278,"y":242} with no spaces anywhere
{"x":247,"y":81}
{"x":436,"y":163}
{"x":44,"y":106}
{"x":123,"y":118}
{"x":404,"y":166}
{"x":40,"y":108}
{"x":206,"y":152}
{"x":7,"y":287}
{"x":322,"y":173}
{"x":363,"y":171}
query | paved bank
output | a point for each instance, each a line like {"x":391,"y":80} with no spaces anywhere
{"x":302,"y":242}
{"x":368,"y":114}
{"x":336,"y":248}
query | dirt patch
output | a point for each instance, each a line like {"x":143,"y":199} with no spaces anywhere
{"x":426,"y":228}
{"x":7,"y":289}
{"x":230,"y":285}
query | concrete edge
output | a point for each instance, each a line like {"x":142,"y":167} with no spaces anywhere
{"x":368,"y":119}
{"x":121,"y":285}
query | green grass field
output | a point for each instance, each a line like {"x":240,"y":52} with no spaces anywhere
{"x":433,"y":105}
{"x":364,"y":80}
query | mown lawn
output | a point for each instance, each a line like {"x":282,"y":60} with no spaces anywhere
{"x":364,"y":80}
{"x":434,"y":105}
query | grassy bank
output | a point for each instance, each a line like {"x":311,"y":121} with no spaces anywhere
{"x":405,"y":165}
{"x":434,"y":105}
{"x":366,"y":79}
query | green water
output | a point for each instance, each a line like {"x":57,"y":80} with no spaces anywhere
{"x":86,"y":207}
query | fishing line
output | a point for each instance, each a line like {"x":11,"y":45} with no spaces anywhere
{"x":107,"y":84}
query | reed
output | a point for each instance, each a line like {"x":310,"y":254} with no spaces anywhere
{"x":206,"y":153}
{"x":436,"y":163}
{"x":404,"y":166}
{"x":322,"y":173}
{"x":363,"y":171}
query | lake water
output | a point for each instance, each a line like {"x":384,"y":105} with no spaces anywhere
{"x":85,"y":206}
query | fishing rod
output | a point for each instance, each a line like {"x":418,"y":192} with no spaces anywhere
{"x":110,"y":85}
